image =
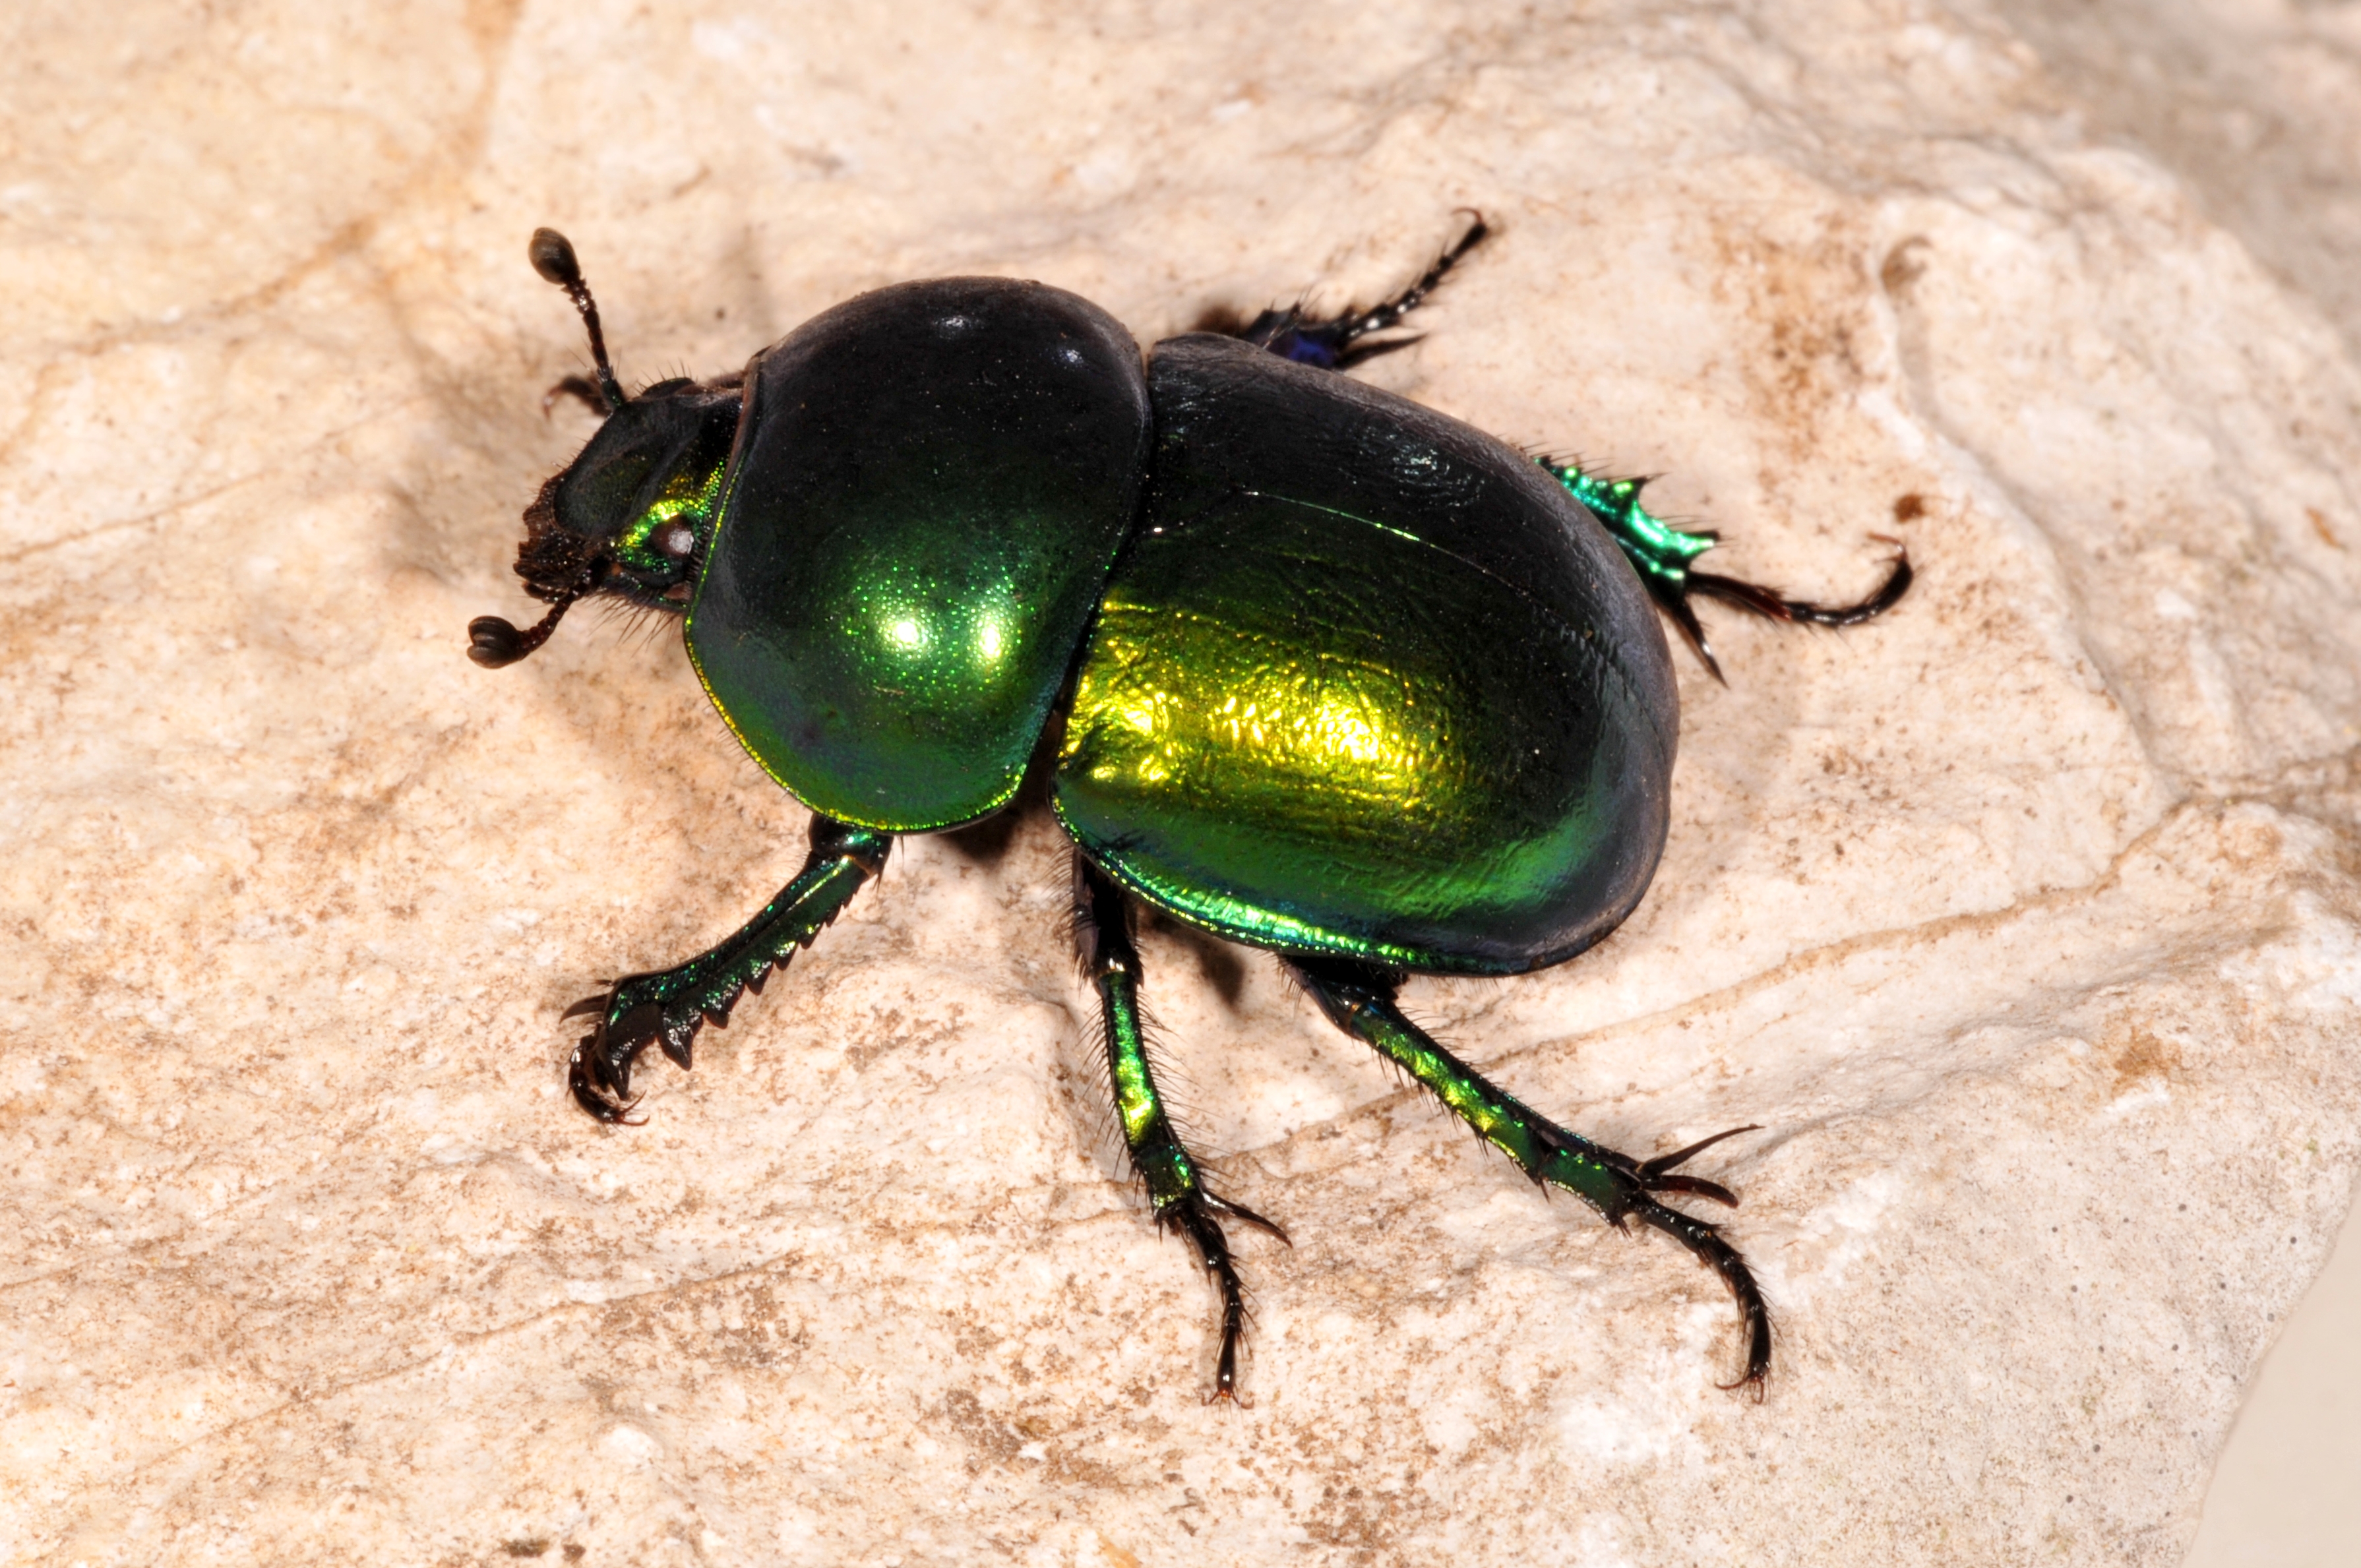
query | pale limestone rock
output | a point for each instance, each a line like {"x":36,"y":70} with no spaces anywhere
{"x":2024,"y":921}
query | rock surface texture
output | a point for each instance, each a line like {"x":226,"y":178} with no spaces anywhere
{"x":2023,"y":920}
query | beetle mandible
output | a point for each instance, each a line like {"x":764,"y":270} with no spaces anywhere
{"x":1337,"y":676}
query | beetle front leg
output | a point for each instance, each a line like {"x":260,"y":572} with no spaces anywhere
{"x":669,"y":1007}
{"x":1182,"y":1202}
{"x":1359,"y":1000}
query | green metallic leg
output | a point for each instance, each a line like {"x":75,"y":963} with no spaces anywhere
{"x":1359,"y":1000}
{"x":1182,"y":1202}
{"x":669,"y":1007}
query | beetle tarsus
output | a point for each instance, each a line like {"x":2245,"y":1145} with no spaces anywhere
{"x":1770,"y":604}
{"x":1704,"y":1240}
{"x":1192,"y":1218}
{"x":1335,"y":343}
{"x":1673,"y":596}
{"x":593,"y":1095}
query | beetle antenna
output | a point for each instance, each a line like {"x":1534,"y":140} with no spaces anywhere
{"x":553,"y":258}
{"x":495,"y":643}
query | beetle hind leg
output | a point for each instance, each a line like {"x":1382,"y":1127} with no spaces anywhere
{"x":1359,"y":1000}
{"x":1335,"y":343}
{"x":1175,"y":1186}
{"x":668,"y":1007}
{"x":1662,"y":554}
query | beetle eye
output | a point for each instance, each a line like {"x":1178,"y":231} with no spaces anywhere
{"x":678,"y":540}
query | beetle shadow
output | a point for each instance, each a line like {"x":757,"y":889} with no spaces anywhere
{"x":1739,"y":770}
{"x":1220,"y":965}
{"x":985,"y":844}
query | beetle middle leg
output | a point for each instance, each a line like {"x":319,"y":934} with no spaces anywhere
{"x":667,"y":1007}
{"x":1182,"y":1201}
{"x":1334,"y":343}
{"x":1359,"y":999}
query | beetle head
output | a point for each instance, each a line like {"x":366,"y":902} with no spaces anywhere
{"x":630,"y":517}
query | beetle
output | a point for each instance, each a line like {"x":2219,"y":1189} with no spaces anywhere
{"x":1321,"y":671}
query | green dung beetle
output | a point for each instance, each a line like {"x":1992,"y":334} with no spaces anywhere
{"x":1321,"y":671}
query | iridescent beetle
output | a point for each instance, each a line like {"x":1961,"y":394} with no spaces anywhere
{"x":1338,"y":677}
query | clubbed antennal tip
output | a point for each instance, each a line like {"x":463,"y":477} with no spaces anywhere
{"x":553,"y":258}
{"x":495,"y":643}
